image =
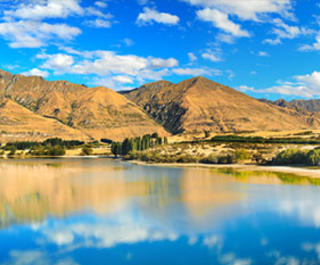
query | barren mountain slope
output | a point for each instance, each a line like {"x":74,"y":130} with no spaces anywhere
{"x":312,"y":105}
{"x":100,"y":112}
{"x":19,"y":124}
{"x":199,"y":104}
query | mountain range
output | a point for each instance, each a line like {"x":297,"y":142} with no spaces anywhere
{"x":32,"y":108}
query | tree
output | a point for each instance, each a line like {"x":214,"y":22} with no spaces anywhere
{"x":314,"y":157}
{"x":116,"y":149}
{"x":87,"y":151}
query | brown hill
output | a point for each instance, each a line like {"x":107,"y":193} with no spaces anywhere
{"x":99,"y":112}
{"x":19,"y":124}
{"x":312,"y":105}
{"x":199,"y":104}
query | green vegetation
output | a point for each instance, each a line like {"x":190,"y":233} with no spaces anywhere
{"x":49,"y":142}
{"x":86,"y":151}
{"x":48,"y":150}
{"x":154,"y":156}
{"x":130,"y":145}
{"x":49,"y":147}
{"x":256,"y":140}
{"x":298,"y":157}
{"x":286,"y":178}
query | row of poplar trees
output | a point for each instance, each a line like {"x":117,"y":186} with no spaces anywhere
{"x":137,"y":144}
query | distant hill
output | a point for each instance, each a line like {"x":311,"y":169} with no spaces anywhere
{"x":96,"y":112}
{"x":32,"y":108}
{"x":199,"y":104}
{"x":312,"y":105}
{"x":18,"y":124}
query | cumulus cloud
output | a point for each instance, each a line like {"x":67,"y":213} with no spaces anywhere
{"x":219,"y":13}
{"x":211,"y":56}
{"x":60,"y":63}
{"x":108,"y":66}
{"x":101,"y":4}
{"x":99,"y":23}
{"x":192,"y":57}
{"x":221,"y":21}
{"x":191,"y":71}
{"x":45,"y":9}
{"x":307,"y":86}
{"x":263,"y":54}
{"x":26,"y":24}
{"x":17,"y":257}
{"x":36,"y":72}
{"x":152,"y":15}
{"x":283,"y":31}
{"x":246,"y":9}
{"x":312,"y":47}
{"x":34,"y":34}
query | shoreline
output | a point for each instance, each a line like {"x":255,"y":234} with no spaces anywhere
{"x":300,"y":171}
{"x":315,"y":173}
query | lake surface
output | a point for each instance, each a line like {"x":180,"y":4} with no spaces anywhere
{"x":100,"y":211}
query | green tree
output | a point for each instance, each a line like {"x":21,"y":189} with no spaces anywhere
{"x":314,"y":157}
{"x":86,"y":151}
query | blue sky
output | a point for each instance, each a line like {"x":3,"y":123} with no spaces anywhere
{"x":266,"y":48}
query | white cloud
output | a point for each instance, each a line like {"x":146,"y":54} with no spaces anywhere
{"x":108,"y":66}
{"x":38,"y":10}
{"x":156,"y":63}
{"x":303,"y":86}
{"x":263,"y":54}
{"x":36,"y":72}
{"x":34,"y":34}
{"x":227,"y":38}
{"x":191,"y":71}
{"x":17,"y":257}
{"x":192,"y":57}
{"x":151,"y":15}
{"x":246,"y":88}
{"x":314,"y":46}
{"x":92,"y":11}
{"x":60,"y":63}
{"x":210,"y":56}
{"x":101,"y":4}
{"x":123,"y":79}
{"x":99,"y":23}
{"x":283,"y":31}
{"x":246,"y":9}
{"x":222,"y":21}
{"x":128,"y":42}
{"x":26,"y":23}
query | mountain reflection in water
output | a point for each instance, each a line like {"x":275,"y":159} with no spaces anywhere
{"x":98,"y":211}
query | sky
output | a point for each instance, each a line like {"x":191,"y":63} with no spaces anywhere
{"x":265,"y":48}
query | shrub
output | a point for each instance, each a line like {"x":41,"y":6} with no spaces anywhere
{"x":211,"y":159}
{"x":314,"y":157}
{"x":291,"y":157}
{"x":229,"y":158}
{"x":86,"y":151}
{"x":242,"y":154}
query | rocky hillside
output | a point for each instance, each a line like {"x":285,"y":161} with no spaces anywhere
{"x":199,"y":104}
{"x":96,"y":112}
{"x":312,"y":105}
{"x":19,"y":124}
{"x":32,"y":108}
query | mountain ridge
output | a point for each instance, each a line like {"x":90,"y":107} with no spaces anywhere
{"x":191,"y":106}
{"x":200,"y":104}
{"x":99,"y":112}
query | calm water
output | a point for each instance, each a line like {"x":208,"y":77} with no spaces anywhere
{"x":97,"y":211}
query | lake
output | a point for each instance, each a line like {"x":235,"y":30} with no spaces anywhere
{"x":101,"y":211}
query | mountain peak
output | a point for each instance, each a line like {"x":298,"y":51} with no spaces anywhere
{"x":200,"y":104}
